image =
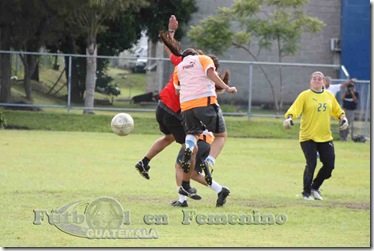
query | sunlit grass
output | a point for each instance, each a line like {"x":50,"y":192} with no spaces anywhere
{"x":49,"y":169}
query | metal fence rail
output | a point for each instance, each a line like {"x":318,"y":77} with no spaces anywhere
{"x":247,"y":76}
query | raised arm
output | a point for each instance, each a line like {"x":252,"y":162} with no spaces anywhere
{"x":172,"y":27}
{"x":348,"y":82}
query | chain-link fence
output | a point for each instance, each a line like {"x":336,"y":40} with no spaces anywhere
{"x":265,"y":89}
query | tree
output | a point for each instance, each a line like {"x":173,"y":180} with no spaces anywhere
{"x":91,"y":17}
{"x":26,"y":26}
{"x":154,"y":17}
{"x":272,"y":23}
{"x":31,"y":25}
{"x":104,"y":27}
{"x":7,"y":9}
{"x":120,"y":34}
{"x":117,"y":34}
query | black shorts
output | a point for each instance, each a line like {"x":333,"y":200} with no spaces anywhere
{"x":196,"y":120}
{"x":170,"y":123}
{"x":202,"y":154}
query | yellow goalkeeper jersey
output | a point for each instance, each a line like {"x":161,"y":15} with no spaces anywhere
{"x":316,"y":110}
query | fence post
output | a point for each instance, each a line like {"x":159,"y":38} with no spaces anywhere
{"x":367,"y":110}
{"x":160,"y":66}
{"x":250,"y":92}
{"x":69,"y":84}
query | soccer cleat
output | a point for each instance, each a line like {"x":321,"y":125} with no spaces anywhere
{"x":186,"y":160}
{"x":207,"y":168}
{"x":143,"y":170}
{"x":306,"y":196}
{"x":191,"y":192}
{"x":222,"y":197}
{"x":177,"y":203}
{"x":316,"y":194}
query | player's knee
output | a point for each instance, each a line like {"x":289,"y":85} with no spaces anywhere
{"x":180,"y":140}
{"x":194,"y":175}
{"x":221,"y":135}
{"x":169,"y":138}
{"x":328,"y":172}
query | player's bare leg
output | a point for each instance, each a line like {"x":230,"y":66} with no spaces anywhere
{"x":160,"y":144}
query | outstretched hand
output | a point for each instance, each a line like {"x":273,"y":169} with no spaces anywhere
{"x":232,"y":89}
{"x":173,"y":23}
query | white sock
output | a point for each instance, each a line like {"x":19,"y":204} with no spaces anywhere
{"x":190,"y":141}
{"x":216,"y":187}
{"x":182,"y":197}
{"x":211,"y":160}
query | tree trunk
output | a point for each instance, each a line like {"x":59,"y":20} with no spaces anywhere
{"x":29,"y":63}
{"x":5,"y":73}
{"x":281,"y":88}
{"x":27,"y":85}
{"x":91,"y":67}
{"x":35,"y":75}
{"x":76,"y":90}
{"x":272,"y":87}
{"x":56,"y":67}
{"x":5,"y":67}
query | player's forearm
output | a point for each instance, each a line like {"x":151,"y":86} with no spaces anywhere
{"x":348,"y":82}
{"x":172,"y":28}
{"x":217,"y":80}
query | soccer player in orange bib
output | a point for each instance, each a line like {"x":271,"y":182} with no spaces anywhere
{"x":195,"y":80}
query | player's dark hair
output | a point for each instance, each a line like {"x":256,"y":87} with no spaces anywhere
{"x":174,"y":47}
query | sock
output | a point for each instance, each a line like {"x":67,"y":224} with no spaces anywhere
{"x":145,"y":161}
{"x":182,"y":198}
{"x":215,"y":187}
{"x":186,"y":185}
{"x":211,"y":160}
{"x":190,"y":141}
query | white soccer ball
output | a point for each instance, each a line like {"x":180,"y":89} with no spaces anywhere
{"x":122,"y":124}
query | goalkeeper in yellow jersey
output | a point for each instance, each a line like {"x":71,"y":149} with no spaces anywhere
{"x":316,"y":108}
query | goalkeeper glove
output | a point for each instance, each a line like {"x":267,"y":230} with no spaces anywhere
{"x":288,"y":123}
{"x":344,"y":124}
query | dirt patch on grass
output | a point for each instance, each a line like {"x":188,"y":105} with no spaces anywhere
{"x":360,"y":206}
{"x":350,"y":205}
{"x":315,"y":203}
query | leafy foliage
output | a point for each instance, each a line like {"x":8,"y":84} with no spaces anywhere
{"x":214,"y":34}
{"x":155,"y":17}
{"x":273,"y":24}
{"x":68,"y":26}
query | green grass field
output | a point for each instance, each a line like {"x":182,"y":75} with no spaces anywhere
{"x":50,"y":169}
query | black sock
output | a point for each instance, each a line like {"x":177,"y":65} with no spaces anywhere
{"x":186,"y":185}
{"x":145,"y":161}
